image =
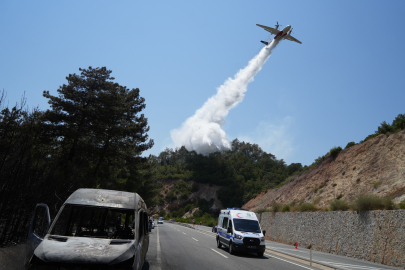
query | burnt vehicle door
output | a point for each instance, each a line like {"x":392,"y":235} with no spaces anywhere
{"x":39,"y":227}
{"x":142,"y":237}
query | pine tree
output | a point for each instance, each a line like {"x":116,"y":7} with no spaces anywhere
{"x":101,"y":133}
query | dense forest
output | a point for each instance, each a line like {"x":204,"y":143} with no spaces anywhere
{"x":242,"y":172}
{"x":92,"y":136}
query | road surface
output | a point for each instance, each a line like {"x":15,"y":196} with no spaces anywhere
{"x":177,"y":247}
{"x":334,"y":261}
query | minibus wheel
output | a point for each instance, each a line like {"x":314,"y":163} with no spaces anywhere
{"x":231,"y":251}
{"x":219,"y":245}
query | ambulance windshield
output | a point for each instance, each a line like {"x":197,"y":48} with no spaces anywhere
{"x":246,"y":225}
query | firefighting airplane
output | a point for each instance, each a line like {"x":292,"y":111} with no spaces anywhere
{"x":280,"y":34}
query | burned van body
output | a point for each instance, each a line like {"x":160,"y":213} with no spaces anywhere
{"x":94,"y":229}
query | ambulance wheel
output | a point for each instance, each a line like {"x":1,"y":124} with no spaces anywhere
{"x":231,"y":251}
{"x":260,"y":254}
{"x":219,"y":245}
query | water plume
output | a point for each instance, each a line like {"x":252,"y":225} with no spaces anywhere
{"x":202,"y":132}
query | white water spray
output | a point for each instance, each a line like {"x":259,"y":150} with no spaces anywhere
{"x":202,"y":132}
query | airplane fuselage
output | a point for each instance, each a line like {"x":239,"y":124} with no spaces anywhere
{"x":283,"y":32}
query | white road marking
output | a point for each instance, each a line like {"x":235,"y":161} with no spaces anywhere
{"x":158,"y":251}
{"x":288,"y":261}
{"x":352,"y":266}
{"x":273,"y":248}
{"x":184,"y":233}
{"x":194,"y":239}
{"x":219,"y":253}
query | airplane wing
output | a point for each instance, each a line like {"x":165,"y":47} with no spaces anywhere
{"x":292,"y":39}
{"x":271,"y":30}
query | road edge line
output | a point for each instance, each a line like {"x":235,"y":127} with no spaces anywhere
{"x":304,"y":259}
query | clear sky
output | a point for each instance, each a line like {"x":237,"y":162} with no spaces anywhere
{"x":338,"y":86}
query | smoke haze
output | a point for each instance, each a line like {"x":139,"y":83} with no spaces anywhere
{"x":202,"y":132}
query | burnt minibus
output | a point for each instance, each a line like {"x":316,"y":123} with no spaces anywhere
{"x":94,"y":229}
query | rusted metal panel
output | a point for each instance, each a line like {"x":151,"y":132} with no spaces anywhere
{"x":83,"y":250}
{"x":101,"y":197}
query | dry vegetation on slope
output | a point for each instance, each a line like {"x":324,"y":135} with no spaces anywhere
{"x":376,"y":166}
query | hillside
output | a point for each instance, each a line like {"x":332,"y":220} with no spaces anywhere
{"x":186,"y":193}
{"x":375,"y":166}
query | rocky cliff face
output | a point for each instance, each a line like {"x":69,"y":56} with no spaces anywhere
{"x":376,"y":166}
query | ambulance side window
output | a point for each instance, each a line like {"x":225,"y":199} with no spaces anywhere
{"x":225,"y":223}
{"x":230,"y":223}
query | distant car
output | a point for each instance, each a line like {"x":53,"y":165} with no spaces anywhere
{"x":160,"y":221}
{"x":214,"y":229}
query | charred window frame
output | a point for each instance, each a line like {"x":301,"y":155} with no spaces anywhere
{"x":145,"y":223}
{"x":94,"y":221}
{"x":141,"y":225}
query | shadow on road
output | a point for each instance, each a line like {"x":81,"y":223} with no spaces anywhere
{"x":146,"y":265}
{"x":245,"y":255}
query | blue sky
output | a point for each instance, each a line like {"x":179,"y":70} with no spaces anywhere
{"x":338,"y":86}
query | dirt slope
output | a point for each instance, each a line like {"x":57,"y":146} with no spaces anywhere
{"x":376,"y":166}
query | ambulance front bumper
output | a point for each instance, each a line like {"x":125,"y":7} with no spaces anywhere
{"x":247,"y":248}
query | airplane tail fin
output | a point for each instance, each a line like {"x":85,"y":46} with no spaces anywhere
{"x":264,"y":42}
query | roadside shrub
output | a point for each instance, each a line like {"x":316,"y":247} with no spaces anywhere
{"x":377,"y":184}
{"x":307,"y":207}
{"x":315,"y":190}
{"x":354,"y":168}
{"x":402,"y":204}
{"x":339,"y":205}
{"x":350,"y":144}
{"x":334,"y":185}
{"x":358,"y":180}
{"x":189,"y":207}
{"x":388,"y":203}
{"x":370,"y":137}
{"x":294,"y":202}
{"x":263,"y":210}
{"x":343,"y":173}
{"x":317,"y":200}
{"x":286,"y":208}
{"x":277,"y":207}
{"x":399,"y":122}
{"x":366,"y":202}
{"x":335,"y":151}
{"x":171,"y":196}
{"x":339,"y":196}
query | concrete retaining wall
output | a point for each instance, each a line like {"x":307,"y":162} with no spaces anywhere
{"x":377,"y":236}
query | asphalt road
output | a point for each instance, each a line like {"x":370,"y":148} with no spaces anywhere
{"x":176,"y":247}
{"x":335,"y":261}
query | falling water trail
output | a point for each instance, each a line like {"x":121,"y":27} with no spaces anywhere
{"x":202,"y":132}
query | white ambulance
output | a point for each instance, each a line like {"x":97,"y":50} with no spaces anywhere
{"x":239,"y":230}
